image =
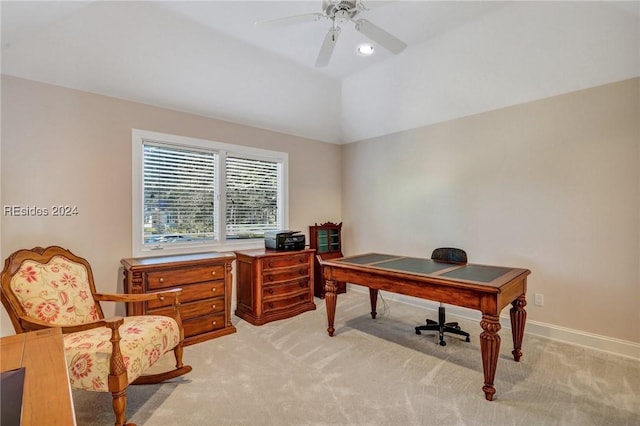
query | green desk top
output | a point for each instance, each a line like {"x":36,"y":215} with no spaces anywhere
{"x":415,"y":265}
{"x":480,"y":273}
{"x":468,"y":272}
{"x":367,"y":259}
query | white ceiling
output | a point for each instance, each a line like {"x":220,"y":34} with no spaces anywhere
{"x":209,"y":58}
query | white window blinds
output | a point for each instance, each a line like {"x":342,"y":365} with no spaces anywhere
{"x":193,"y":195}
{"x":252,"y":193}
{"x":179,"y":190}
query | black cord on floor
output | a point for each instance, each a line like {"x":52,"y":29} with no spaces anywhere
{"x":386,"y":310}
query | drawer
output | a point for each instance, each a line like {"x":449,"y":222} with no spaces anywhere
{"x":193,"y":309}
{"x":284,"y":261}
{"x":193,"y":292}
{"x":286,"y":303}
{"x":177,"y":277}
{"x":284,"y":289}
{"x":201,"y":325}
{"x":285,"y":274}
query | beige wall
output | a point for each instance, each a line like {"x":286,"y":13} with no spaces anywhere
{"x":552,"y":185}
{"x":62,"y":146}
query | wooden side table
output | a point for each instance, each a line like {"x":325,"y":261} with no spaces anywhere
{"x":273,"y":285}
{"x":46,"y":398}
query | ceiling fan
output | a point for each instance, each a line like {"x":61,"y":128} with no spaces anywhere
{"x":339,"y":12}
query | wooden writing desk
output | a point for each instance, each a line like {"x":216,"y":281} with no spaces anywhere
{"x":47,"y":396}
{"x":485,"y":288}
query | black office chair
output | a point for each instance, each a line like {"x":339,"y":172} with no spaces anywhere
{"x":449,"y":255}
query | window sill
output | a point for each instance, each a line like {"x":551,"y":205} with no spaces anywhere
{"x":226,"y":247}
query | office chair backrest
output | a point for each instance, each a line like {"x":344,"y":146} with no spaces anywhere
{"x":449,"y":255}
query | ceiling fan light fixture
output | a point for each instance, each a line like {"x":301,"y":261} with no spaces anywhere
{"x":365,"y":49}
{"x":339,"y":12}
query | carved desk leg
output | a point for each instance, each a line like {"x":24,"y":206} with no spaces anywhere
{"x":518,"y":319}
{"x":490,"y":348}
{"x":330,"y":298}
{"x":373,"y":296}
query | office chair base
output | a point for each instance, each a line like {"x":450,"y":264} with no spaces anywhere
{"x":442,"y":327}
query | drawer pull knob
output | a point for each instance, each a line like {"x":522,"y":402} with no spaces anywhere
{"x":213,"y":290}
{"x":161,"y":280}
{"x":213,"y":306}
{"x":301,"y":297}
{"x":302,"y":272}
{"x":302,"y":260}
{"x":303,"y":285}
{"x":271,"y":304}
{"x":213,"y":322}
{"x":270,"y":277}
{"x":270,"y":264}
{"x":270,"y":291}
{"x":213,"y":272}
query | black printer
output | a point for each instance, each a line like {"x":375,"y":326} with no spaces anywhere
{"x":284,"y":240}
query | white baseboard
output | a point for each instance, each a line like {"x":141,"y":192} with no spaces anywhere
{"x":598,"y":342}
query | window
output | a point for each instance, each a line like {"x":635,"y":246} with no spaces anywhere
{"x":251,"y":197}
{"x":178,"y":190}
{"x":195,"y":195}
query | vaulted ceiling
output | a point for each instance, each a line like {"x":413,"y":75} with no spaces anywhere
{"x":210,"y":58}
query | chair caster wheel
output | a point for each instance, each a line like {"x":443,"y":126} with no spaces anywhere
{"x":467,"y":340}
{"x":418,"y":332}
{"x":443,"y":343}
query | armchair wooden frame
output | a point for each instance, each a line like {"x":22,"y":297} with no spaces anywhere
{"x":118,"y":378}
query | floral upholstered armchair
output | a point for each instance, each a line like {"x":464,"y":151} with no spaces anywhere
{"x":52,"y":287}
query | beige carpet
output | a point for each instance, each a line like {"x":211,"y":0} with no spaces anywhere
{"x":377,"y":372}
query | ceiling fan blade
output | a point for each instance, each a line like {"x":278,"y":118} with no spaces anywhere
{"x":326,"y":50}
{"x":373,"y":4}
{"x":289,"y":20}
{"x":380,"y":36}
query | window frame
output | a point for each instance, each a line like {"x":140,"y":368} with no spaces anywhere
{"x":140,"y":137}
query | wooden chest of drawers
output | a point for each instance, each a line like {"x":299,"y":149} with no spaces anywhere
{"x":273,"y":285}
{"x":206,"y":283}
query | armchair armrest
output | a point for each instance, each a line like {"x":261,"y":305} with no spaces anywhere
{"x":32,"y":324}
{"x":170,"y":294}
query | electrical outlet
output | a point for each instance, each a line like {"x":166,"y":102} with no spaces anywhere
{"x":539,"y":299}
